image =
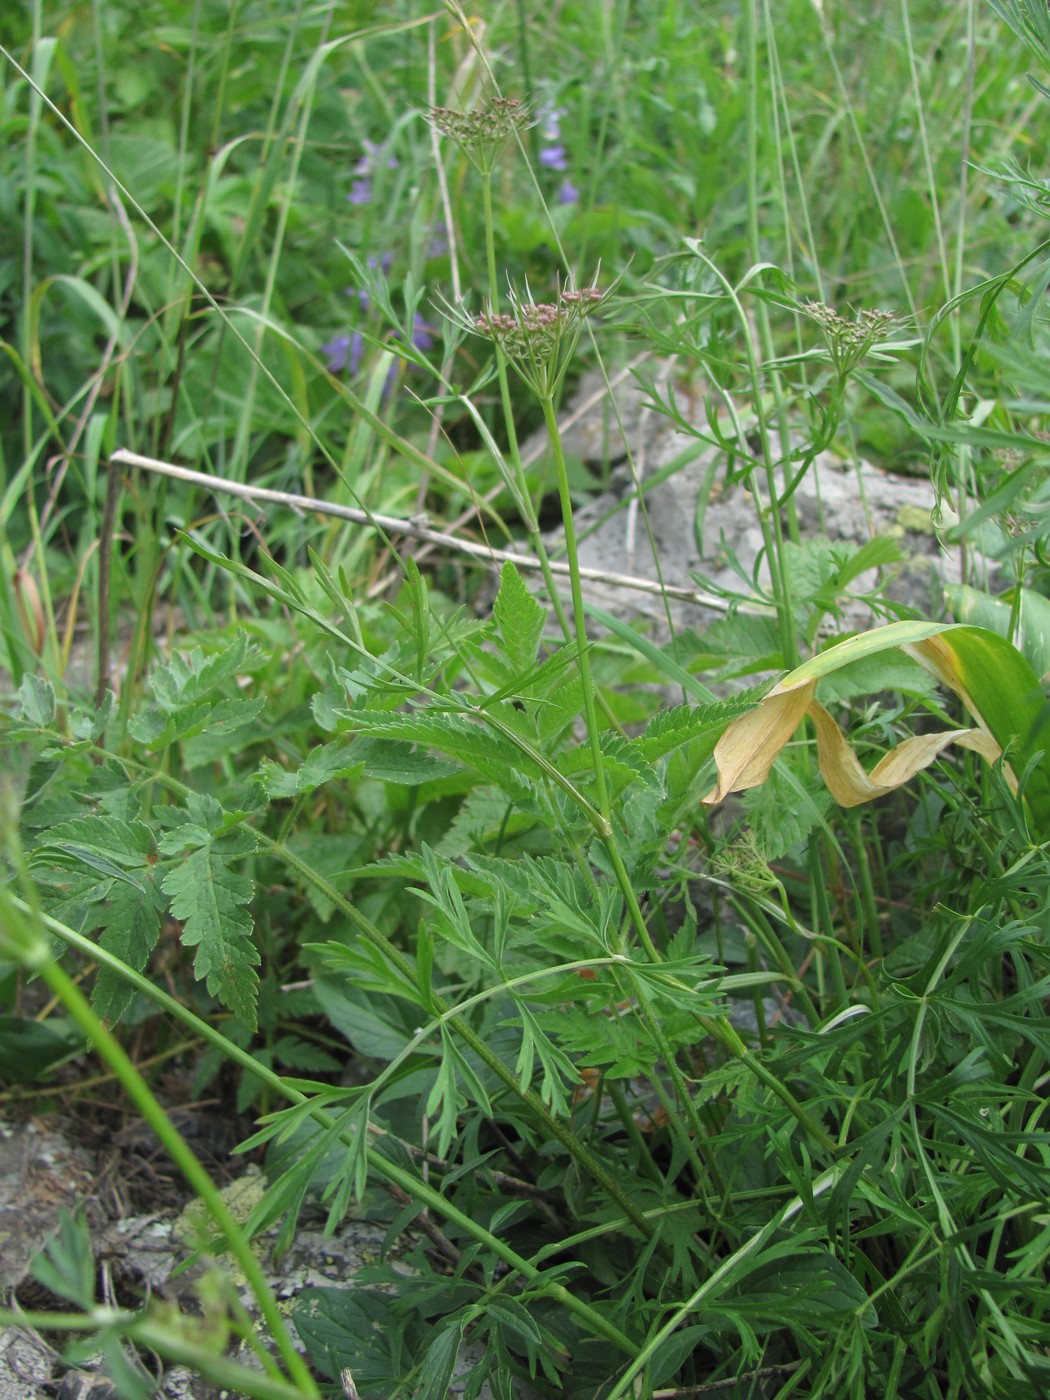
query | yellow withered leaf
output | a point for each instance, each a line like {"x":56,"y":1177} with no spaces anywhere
{"x":850,"y":785}
{"x":749,"y":747}
{"x":988,"y":674}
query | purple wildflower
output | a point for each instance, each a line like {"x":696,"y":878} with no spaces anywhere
{"x":367,"y":163}
{"x":554,"y":158}
{"x":568,"y":194}
{"x":550,"y":123}
{"x":422,"y":334}
{"x":437,"y":247}
{"x":344,"y":352}
{"x":361,"y":189}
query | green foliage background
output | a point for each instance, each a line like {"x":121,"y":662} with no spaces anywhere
{"x":646,"y":1098}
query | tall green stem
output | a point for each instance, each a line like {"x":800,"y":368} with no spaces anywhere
{"x":34,"y":950}
{"x":378,"y":1162}
{"x":532,"y":526}
{"x":612,"y":848}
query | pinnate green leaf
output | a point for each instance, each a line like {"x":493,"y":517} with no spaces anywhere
{"x":520,"y":619}
{"x":129,"y":923}
{"x":209,"y":897}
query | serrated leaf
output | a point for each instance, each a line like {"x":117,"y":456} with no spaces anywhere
{"x":158,"y":728}
{"x":324,"y":763}
{"x":520,"y":619}
{"x":680,"y":724}
{"x":209,"y":897}
{"x":358,"y":1328}
{"x":461,"y":738}
{"x":130,"y":925}
{"x":192,"y":676}
{"x":390,"y":762}
{"x":439,"y":1362}
{"x":36,"y":701}
{"x":559,"y":708}
{"x":90,"y":724}
{"x":226,"y":719}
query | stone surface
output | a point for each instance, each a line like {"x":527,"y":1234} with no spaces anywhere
{"x":699,"y":518}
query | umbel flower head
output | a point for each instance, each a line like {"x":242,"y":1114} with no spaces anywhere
{"x":849,"y":341}
{"x":538,"y":338}
{"x":482,"y":134}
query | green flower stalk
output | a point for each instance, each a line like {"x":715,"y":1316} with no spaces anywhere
{"x":538,"y":340}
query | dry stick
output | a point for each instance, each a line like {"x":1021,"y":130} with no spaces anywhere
{"x":528,"y":457}
{"x":414,"y":529}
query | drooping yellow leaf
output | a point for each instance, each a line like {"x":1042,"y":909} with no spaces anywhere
{"x":850,"y":785}
{"x":993,"y":680}
{"x":749,"y":747}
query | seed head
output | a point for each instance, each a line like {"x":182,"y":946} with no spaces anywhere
{"x":538,"y":338}
{"x":849,"y":341}
{"x":482,"y":134}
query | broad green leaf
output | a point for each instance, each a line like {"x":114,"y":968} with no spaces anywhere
{"x":439,"y":1362}
{"x":1002,"y":692}
{"x":980,"y":609}
{"x":36,"y":701}
{"x":194,"y":676}
{"x":216,"y":739}
{"x":205,"y":728}
{"x":491,"y":755}
{"x":324,"y":763}
{"x":105,"y":844}
{"x":123,"y":905}
{"x":680,"y":724}
{"x":360,"y":1329}
{"x":130,"y":924}
{"x":29,"y":1048}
